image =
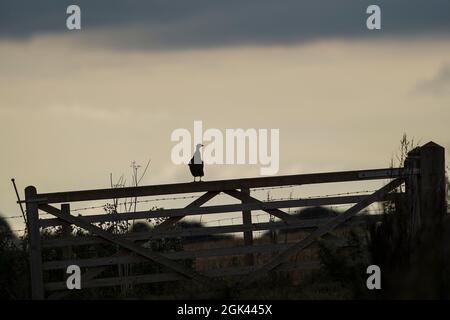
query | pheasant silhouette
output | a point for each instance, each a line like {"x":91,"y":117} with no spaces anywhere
{"x":196,"y":163}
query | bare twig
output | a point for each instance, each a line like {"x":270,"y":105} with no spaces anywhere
{"x":20,"y":202}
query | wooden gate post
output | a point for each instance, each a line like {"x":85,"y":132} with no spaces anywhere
{"x":432,"y":185}
{"x":34,"y":237}
{"x":432,"y":204}
{"x":248,"y":235}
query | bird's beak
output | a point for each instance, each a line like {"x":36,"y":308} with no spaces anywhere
{"x":201,"y":145}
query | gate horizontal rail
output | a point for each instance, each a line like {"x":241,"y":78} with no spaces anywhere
{"x":220,"y":185}
{"x":179,"y":255}
{"x":166,"y":277}
{"x":181,"y":212}
{"x":302,"y":224}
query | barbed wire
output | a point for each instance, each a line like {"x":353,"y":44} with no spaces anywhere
{"x":197,"y":196}
{"x":276,"y":187}
{"x":234,"y":218}
{"x":138,"y":201}
{"x":323,"y":196}
{"x":170,"y":198}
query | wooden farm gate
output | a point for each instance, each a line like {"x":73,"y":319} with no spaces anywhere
{"x":423,"y":175}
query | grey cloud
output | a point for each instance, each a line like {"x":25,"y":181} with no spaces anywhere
{"x":210,"y":23}
{"x":438,"y":85}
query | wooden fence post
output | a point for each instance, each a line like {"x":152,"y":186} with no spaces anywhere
{"x":248,"y":235}
{"x":34,"y":237}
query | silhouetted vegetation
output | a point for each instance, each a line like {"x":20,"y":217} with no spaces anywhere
{"x":13,"y":265}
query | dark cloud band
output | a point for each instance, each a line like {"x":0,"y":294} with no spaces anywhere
{"x":209,"y":23}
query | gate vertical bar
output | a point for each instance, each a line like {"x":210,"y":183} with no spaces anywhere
{"x":412,"y":191}
{"x":248,"y":235}
{"x":66,"y":231}
{"x":37,"y":283}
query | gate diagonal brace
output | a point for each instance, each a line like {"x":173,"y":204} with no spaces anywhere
{"x":196,"y":203}
{"x":132,"y":247}
{"x":315,"y":235}
{"x":93,"y":273}
{"x":287,"y":218}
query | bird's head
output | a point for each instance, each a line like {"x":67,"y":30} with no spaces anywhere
{"x":198,"y":146}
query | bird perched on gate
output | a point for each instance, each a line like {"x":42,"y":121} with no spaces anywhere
{"x":196,"y":163}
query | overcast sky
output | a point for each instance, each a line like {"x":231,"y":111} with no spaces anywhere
{"x":78,"y":105}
